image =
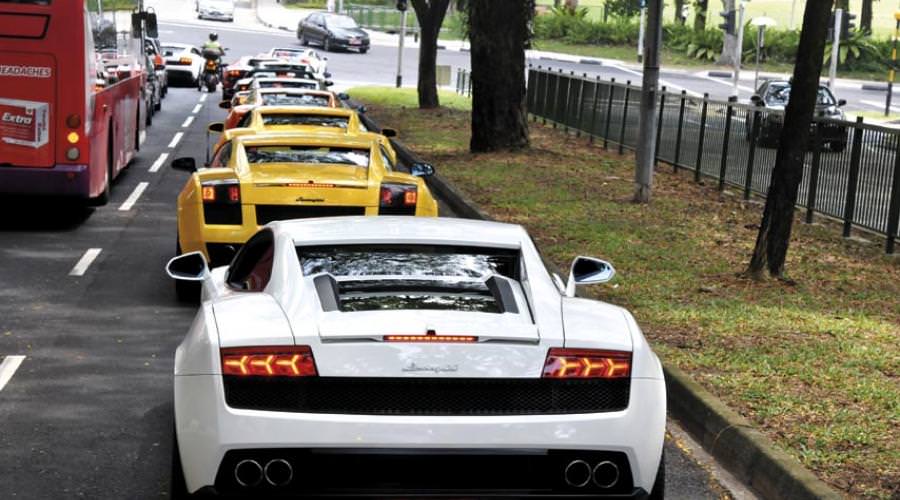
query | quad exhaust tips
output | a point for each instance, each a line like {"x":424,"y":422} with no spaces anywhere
{"x":250,"y":473}
{"x":579,"y":474}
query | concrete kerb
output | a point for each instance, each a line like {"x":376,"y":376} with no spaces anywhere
{"x":752,"y":457}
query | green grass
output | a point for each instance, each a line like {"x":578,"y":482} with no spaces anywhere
{"x":779,"y":10}
{"x":815,"y":364}
{"x":406,"y":98}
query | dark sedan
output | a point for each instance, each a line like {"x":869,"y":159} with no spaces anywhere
{"x":332,"y":32}
{"x":772,"y":97}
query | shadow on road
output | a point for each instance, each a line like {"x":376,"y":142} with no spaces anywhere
{"x":29,"y":214}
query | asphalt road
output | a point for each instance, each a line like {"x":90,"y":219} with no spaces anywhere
{"x":88,"y":413}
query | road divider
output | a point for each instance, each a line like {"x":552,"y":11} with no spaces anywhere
{"x":134,"y":196}
{"x":197,"y":109}
{"x":85,"y":262}
{"x":203,"y":97}
{"x":159,"y":163}
{"x":187,"y":122}
{"x":176,"y":139}
{"x":8,"y":368}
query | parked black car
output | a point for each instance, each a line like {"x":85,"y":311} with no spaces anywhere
{"x":772,"y":97}
{"x":332,"y":31}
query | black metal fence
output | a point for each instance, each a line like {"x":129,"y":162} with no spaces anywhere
{"x":851,"y":171}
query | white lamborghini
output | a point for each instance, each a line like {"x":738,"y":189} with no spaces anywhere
{"x":405,"y":356}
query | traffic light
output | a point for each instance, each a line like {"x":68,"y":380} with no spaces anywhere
{"x":402,"y":5}
{"x":847,"y":25}
{"x":729,"y":26}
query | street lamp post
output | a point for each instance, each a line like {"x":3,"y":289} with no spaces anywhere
{"x":400,"y":48}
{"x":835,"y":48}
{"x":738,"y":51}
{"x":761,"y":24}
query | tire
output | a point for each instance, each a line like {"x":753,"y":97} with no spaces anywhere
{"x":326,"y":45}
{"x":148,"y":120}
{"x":659,"y":485}
{"x":158,"y":105}
{"x":210,"y":87}
{"x":363,"y":51}
{"x":303,"y":41}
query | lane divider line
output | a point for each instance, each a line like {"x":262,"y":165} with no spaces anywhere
{"x":8,"y":368}
{"x":159,"y":163}
{"x":197,"y":109}
{"x":203,"y":97}
{"x":85,"y":262}
{"x":187,"y":122}
{"x":134,"y":196}
{"x":176,"y":139}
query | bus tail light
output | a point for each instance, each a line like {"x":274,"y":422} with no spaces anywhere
{"x":287,"y":361}
{"x":222,"y":202}
{"x":73,"y":121}
{"x":587,"y":363}
{"x":398,"y":199}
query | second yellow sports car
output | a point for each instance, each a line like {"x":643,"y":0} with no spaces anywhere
{"x":269,"y":177}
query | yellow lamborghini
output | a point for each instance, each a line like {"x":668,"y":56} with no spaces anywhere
{"x":257,"y":179}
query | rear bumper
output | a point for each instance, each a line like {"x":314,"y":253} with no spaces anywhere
{"x":59,"y":180}
{"x":211,"y":434}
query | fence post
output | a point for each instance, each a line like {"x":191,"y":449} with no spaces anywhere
{"x":894,"y":210}
{"x":565,"y":115}
{"x":594,"y":110}
{"x":580,"y":109}
{"x":814,"y":176}
{"x":612,"y":89}
{"x":680,"y":128}
{"x":702,"y":137}
{"x":624,"y":118}
{"x":751,"y":156}
{"x":855,"y":154}
{"x":724,"y":164}
{"x":546,"y":96}
{"x":659,"y":124}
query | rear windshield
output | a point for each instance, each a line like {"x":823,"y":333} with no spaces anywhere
{"x":287,"y":53}
{"x":779,"y":95}
{"x":394,"y":277}
{"x":341,"y":122}
{"x":327,"y":155}
{"x":287,"y":84}
{"x":295,"y":100}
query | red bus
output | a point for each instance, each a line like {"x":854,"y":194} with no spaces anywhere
{"x":63,"y":131}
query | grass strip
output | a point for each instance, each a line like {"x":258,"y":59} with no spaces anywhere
{"x":814,"y":364}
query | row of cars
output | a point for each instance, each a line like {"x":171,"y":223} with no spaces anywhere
{"x":349,"y":342}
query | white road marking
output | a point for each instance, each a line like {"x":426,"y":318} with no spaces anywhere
{"x":662,"y":83}
{"x":728,"y":82}
{"x":197,"y":109}
{"x":159,"y":163}
{"x":175,"y":139}
{"x":203,"y":97}
{"x":134,"y":196}
{"x":880,"y":105}
{"x":8,"y":368}
{"x":187,"y":122}
{"x":86,"y":260}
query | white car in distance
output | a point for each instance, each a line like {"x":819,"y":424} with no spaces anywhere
{"x":397,"y":356}
{"x":183,"y":62}
{"x":220,"y":10}
{"x":310,"y":57}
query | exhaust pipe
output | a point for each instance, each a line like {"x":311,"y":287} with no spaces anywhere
{"x":605,"y":474}
{"x":248,"y":473}
{"x":278,"y":472}
{"x":578,"y":473}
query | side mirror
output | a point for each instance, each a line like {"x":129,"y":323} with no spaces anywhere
{"x":225,"y":104}
{"x":159,"y":66}
{"x":755,"y":99}
{"x":842,"y":102}
{"x":136,"y":25}
{"x":186,"y":164}
{"x":328,"y":83}
{"x":422,"y":169}
{"x":327,"y":74}
{"x":188,"y":267}
{"x":587,"y":271}
{"x":389,"y":132}
{"x":361,"y":109}
{"x":343,"y":96}
{"x":152,"y":27}
{"x":216,"y":127}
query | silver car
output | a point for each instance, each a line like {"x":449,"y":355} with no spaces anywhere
{"x":222,"y":10}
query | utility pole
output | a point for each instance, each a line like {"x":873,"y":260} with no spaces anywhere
{"x":646,"y":149}
{"x":893,"y":71}
{"x":761,"y":24}
{"x":738,"y":50}
{"x":641,"y":29}
{"x":835,"y":48}
{"x":400,"y":48}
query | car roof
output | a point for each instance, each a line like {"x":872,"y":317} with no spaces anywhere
{"x":387,"y":230}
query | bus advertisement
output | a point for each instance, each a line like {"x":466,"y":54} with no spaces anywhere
{"x":68,"y":123}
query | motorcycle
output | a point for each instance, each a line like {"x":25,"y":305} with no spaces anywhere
{"x":212,"y":70}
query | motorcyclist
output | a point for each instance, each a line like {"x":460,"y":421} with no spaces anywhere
{"x":213,"y":44}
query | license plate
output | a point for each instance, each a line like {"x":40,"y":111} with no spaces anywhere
{"x":355,"y":42}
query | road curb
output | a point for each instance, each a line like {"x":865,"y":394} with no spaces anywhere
{"x":748,"y":454}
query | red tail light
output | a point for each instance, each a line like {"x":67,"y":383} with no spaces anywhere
{"x":220,"y":192}
{"x":448,"y":339}
{"x":234,"y":73}
{"x":587,"y":363}
{"x":185,"y":61}
{"x":399,"y":196}
{"x":288,"y":361}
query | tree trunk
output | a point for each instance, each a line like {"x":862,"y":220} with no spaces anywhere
{"x":498,"y":31}
{"x":430,"y":14}
{"x":700,"y":8}
{"x":774,"y":236}
{"x":679,"y":9}
{"x":727,"y":56}
{"x":865,"y":17}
